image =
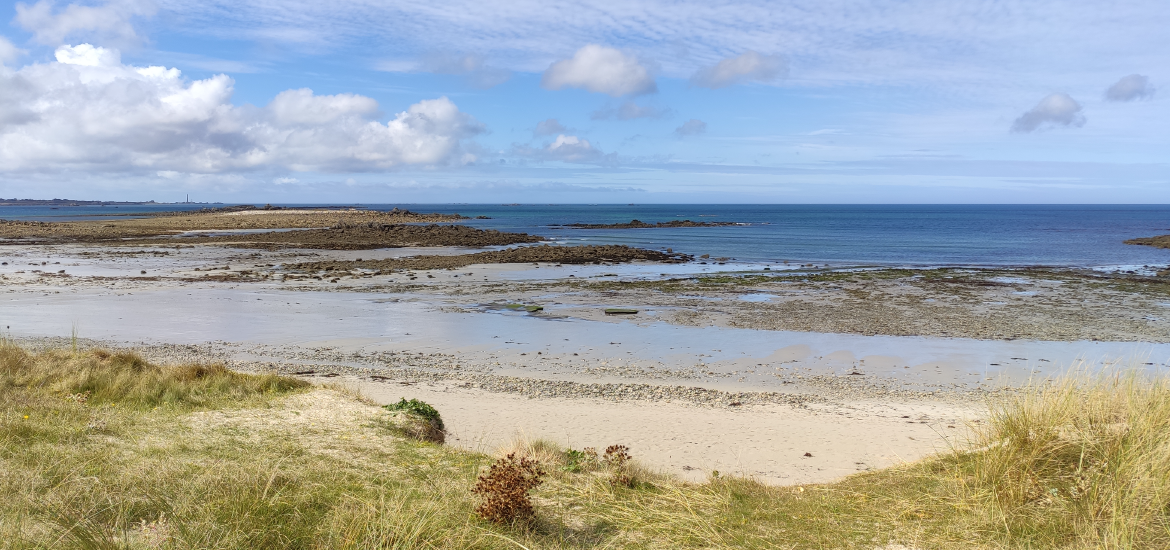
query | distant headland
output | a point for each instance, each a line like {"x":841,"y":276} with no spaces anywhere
{"x":71,"y":202}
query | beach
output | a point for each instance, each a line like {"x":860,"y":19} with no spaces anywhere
{"x":787,"y":373}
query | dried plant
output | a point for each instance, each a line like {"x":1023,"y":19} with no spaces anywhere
{"x":504,"y":489}
{"x":617,"y":457}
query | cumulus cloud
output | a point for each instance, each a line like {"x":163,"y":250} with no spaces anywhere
{"x":572,"y":149}
{"x":602,"y":70}
{"x":629,"y":110}
{"x":8,"y":51}
{"x":87,"y":55}
{"x":302,"y":108}
{"x":473,"y":67}
{"x":89,"y":111}
{"x":1129,"y":88}
{"x":747,"y":67}
{"x":549,"y":127}
{"x":564,"y":148}
{"x":108,"y":22}
{"x":692,"y":127}
{"x":1057,"y":109}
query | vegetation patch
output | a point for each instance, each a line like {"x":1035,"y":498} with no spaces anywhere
{"x":504,"y":489}
{"x":422,"y":421}
{"x":528,"y":308}
{"x":106,"y":450}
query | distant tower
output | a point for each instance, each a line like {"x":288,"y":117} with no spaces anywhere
{"x":188,"y":198}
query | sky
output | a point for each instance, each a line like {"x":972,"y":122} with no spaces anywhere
{"x":665,"y":101}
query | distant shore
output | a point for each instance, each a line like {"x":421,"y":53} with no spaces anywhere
{"x":71,"y":202}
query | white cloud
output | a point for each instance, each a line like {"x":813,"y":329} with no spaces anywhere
{"x":88,"y":111}
{"x":109,"y":22}
{"x":747,"y":67}
{"x":629,"y":110}
{"x":549,"y":127}
{"x":691,"y":127}
{"x":564,"y":148}
{"x":1129,"y":88}
{"x":302,"y":108}
{"x":1057,"y":109}
{"x":602,"y":70}
{"x":571,"y":148}
{"x":87,"y":55}
{"x":8,"y":51}
{"x":974,"y":47}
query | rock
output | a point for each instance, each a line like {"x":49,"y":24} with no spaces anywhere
{"x":620,"y":311}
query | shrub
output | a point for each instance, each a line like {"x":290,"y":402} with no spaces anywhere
{"x":617,"y":458}
{"x":504,"y":489}
{"x":422,"y":421}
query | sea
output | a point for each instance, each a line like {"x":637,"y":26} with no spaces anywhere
{"x":1080,"y":236}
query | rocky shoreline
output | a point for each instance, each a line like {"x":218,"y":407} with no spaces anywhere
{"x":589,"y":254}
{"x":354,"y":236}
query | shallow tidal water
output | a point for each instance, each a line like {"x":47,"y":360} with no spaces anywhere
{"x":742,"y":359}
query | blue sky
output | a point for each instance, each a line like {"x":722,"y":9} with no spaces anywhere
{"x":792,"y":102}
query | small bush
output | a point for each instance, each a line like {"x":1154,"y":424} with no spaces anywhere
{"x":422,"y":423}
{"x":417,"y":408}
{"x":504,"y":489}
{"x":617,"y":458}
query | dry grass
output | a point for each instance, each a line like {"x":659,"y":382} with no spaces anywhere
{"x":199,"y":457}
{"x":1085,"y":461}
{"x":125,"y":379}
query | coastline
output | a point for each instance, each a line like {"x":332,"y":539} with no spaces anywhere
{"x":736,"y":365}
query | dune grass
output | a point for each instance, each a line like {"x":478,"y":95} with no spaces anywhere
{"x":104,"y":450}
{"x":1084,"y":460}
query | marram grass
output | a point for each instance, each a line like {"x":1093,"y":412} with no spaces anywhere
{"x":1084,"y":460}
{"x":105,"y":450}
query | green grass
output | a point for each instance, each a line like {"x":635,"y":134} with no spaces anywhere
{"x":201,"y":457}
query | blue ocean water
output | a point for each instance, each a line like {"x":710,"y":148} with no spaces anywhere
{"x":910,"y":235}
